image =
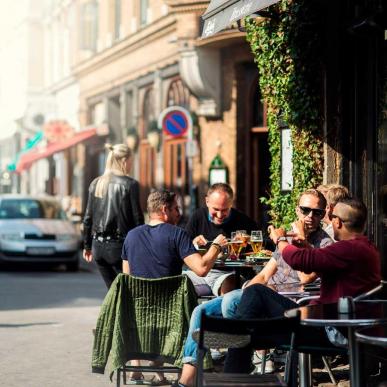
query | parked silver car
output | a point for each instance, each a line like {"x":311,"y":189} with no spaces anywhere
{"x":36,"y":229}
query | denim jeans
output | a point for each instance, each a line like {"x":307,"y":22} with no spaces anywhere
{"x":211,"y":308}
{"x":230,"y":303}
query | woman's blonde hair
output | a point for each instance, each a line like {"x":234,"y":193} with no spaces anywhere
{"x":115,"y":164}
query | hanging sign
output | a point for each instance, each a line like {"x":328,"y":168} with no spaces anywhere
{"x":175,"y":121}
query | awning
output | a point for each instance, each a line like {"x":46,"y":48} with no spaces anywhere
{"x":221,"y":13}
{"x":28,"y":158}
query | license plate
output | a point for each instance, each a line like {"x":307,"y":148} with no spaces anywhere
{"x":40,"y":250}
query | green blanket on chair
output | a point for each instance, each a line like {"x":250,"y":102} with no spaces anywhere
{"x":143,"y":316}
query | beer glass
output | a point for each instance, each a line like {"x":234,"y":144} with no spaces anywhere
{"x":236,"y":245}
{"x":256,"y":241}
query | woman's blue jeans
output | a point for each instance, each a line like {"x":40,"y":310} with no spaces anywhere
{"x":211,"y":308}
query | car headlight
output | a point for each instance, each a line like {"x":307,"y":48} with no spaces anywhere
{"x":12,"y":237}
{"x":65,"y":237}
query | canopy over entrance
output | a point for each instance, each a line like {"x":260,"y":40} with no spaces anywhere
{"x":221,"y":13}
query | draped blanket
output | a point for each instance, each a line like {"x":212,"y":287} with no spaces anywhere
{"x":143,"y":316}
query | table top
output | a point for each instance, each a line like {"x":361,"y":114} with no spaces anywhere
{"x":228,"y":263}
{"x":376,"y":335}
{"x":366,"y":313}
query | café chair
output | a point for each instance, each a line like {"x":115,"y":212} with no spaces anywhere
{"x":306,"y":352}
{"x":377,"y":293}
{"x":145,"y":319}
{"x":371,"y":342}
{"x":232,"y":333}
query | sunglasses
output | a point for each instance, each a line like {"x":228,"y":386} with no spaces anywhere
{"x":333,"y":216}
{"x":318,"y":212}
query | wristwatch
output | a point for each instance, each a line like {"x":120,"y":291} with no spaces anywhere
{"x":281,"y":239}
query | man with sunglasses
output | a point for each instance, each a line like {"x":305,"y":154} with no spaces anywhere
{"x":349,"y":267}
{"x":310,"y":210}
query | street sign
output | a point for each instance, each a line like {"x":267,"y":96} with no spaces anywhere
{"x":175,"y":121}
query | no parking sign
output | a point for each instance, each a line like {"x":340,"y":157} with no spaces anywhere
{"x":175,"y":121}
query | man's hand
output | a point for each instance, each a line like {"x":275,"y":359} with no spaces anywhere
{"x":300,"y":233}
{"x":220,"y":240}
{"x":87,"y":255}
{"x":199,"y":241}
{"x":275,"y":233}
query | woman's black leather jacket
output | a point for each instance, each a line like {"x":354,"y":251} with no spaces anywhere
{"x":116,"y":213}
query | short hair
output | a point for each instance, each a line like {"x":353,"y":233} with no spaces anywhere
{"x":357,"y":215}
{"x":221,"y":187}
{"x":335,"y":193}
{"x":316,"y":193}
{"x":159,"y":198}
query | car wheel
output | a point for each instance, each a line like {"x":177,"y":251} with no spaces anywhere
{"x":73,"y":266}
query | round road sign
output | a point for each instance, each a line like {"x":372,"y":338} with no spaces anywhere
{"x":175,"y":121}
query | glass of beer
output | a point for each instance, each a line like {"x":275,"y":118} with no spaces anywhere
{"x":236,"y":245}
{"x":256,"y":241}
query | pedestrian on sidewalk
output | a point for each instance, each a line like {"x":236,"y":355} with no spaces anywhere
{"x":113,"y":208}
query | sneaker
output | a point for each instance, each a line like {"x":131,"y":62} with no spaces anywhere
{"x":257,"y":361}
{"x":269,"y":368}
{"x":216,"y":355}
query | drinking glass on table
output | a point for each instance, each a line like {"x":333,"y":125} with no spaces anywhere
{"x":236,"y":245}
{"x":256,"y":241}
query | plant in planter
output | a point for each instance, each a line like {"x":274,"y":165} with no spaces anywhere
{"x":286,"y":50}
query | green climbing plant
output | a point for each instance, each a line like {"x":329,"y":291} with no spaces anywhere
{"x":286,"y":50}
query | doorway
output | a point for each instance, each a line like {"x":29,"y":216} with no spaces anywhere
{"x":253,"y":156}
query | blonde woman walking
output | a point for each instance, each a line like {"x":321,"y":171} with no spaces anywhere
{"x":113,"y":208}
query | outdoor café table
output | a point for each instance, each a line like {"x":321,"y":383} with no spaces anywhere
{"x":241,"y":267}
{"x":365,"y":313}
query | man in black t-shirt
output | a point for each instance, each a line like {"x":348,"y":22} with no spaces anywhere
{"x":205,"y":224}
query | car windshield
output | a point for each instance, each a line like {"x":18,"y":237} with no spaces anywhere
{"x":30,"y":209}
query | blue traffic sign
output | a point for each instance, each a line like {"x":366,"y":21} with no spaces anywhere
{"x":175,"y":121}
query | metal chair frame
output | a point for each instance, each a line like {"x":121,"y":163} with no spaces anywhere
{"x":231,"y":333}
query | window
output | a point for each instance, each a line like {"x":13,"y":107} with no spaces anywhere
{"x":144,"y":12}
{"x":149,"y":117}
{"x":89,"y":25}
{"x":30,"y":209}
{"x":178,"y":94}
{"x":117,"y":19}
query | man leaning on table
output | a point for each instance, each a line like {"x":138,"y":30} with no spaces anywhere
{"x":217,"y":217}
{"x":346,"y":268}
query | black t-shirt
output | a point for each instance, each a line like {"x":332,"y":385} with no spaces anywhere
{"x":199,"y":224}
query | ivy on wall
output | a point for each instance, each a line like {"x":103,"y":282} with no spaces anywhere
{"x":286,"y":49}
